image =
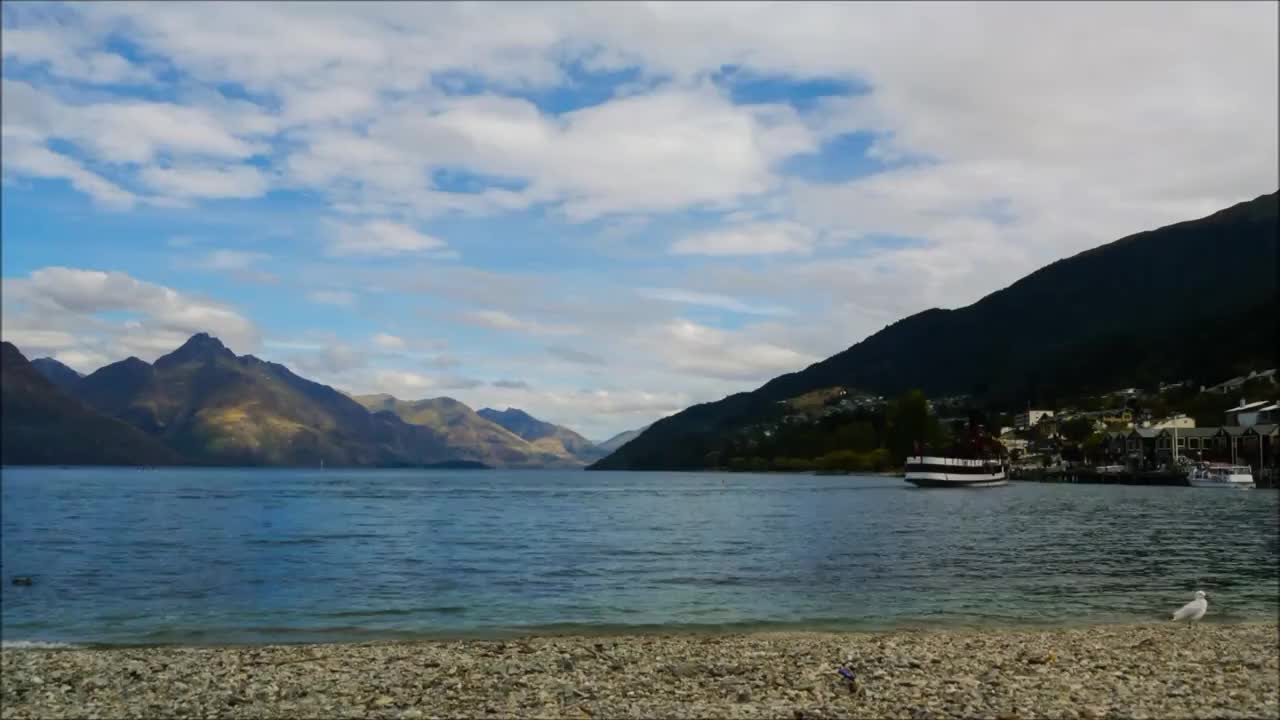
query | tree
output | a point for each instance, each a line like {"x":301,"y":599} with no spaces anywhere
{"x":1076,"y":429}
{"x":909,"y":421}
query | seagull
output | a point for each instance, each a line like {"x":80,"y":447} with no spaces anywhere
{"x":1193,"y":610}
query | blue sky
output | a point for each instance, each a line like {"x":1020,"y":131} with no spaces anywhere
{"x":600,"y":213}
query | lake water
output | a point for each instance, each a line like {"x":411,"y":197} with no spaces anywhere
{"x":245,"y":556}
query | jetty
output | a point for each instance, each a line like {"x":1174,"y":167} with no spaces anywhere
{"x":1089,"y":476}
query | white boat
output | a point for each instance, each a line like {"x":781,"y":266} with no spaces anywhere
{"x":1220,"y":475}
{"x":940,"y":471}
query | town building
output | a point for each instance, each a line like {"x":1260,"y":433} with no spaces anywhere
{"x":1027,"y":420}
{"x":1254,"y":413}
{"x":1173,"y":421}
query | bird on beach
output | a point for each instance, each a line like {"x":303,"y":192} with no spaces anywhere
{"x":1193,"y":610}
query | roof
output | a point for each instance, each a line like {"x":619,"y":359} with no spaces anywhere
{"x":1250,"y":406}
{"x":1272,"y":406}
{"x":1191,"y":432}
{"x":1145,"y":432}
{"x":1233,"y":430}
{"x":1266,"y":428}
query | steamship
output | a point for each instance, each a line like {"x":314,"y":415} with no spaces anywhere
{"x":977,"y":462}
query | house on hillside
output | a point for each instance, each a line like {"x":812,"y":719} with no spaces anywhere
{"x":1180,"y":421}
{"x":1227,"y":386}
{"x":1027,"y":420}
{"x":1252,"y":413}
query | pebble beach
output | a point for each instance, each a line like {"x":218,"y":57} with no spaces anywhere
{"x":1138,"y":671}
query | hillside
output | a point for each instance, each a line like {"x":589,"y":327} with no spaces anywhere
{"x":620,"y":439}
{"x":1192,"y":300}
{"x":62,"y":377}
{"x":40,"y":425}
{"x":469,"y":435}
{"x":547,"y":437}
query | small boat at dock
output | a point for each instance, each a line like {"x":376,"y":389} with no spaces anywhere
{"x":1221,"y":475}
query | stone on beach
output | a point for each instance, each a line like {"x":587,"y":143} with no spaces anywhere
{"x":1151,"y":671}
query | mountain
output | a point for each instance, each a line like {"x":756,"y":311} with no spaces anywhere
{"x":1192,"y":300}
{"x":555,"y":439}
{"x":620,"y":439}
{"x":468,"y":434}
{"x":213,"y":407}
{"x":40,"y":425}
{"x":202,"y":404}
{"x":62,"y":377}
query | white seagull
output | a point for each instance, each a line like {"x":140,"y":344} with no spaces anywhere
{"x":1193,"y":610}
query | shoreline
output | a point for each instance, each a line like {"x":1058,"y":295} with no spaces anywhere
{"x":588,"y":632}
{"x":1133,"y":670}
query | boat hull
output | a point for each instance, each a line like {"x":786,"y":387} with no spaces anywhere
{"x":945,"y":472}
{"x":929,"y":482}
{"x":1236,"y":484}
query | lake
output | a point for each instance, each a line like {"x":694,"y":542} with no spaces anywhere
{"x":209,"y":556}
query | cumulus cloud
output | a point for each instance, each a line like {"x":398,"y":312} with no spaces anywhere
{"x":54,"y":304}
{"x":380,"y":237}
{"x":753,"y":239}
{"x":388,"y":343}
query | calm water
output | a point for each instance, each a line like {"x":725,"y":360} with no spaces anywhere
{"x":230,"y":556}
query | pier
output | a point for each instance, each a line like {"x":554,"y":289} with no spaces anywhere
{"x":1090,"y":477}
{"x":1087,"y":476}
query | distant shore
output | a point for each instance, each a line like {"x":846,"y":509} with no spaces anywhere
{"x":1155,"y":671}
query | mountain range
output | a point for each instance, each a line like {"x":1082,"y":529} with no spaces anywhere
{"x":202,"y":404}
{"x":1197,"y":299}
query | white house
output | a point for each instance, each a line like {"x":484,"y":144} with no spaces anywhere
{"x":1253,"y":413}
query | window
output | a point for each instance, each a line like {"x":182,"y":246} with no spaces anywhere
{"x":1182,"y":442}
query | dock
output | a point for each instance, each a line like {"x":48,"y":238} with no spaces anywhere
{"x":1089,"y":477}
{"x":1086,"y":476}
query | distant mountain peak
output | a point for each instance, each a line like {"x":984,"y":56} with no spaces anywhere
{"x":57,"y":373}
{"x":201,"y":346}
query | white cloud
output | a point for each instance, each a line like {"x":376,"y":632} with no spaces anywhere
{"x":335,"y":358}
{"x":44,"y":340}
{"x":68,"y":54}
{"x":37,"y":161}
{"x":340,"y":298}
{"x":51,"y":303}
{"x":388,"y":343}
{"x":500,"y":320}
{"x":206,"y":182}
{"x":713,"y":300}
{"x":766,"y":238}
{"x":223,"y":259}
{"x":690,"y":347}
{"x":380,"y":237}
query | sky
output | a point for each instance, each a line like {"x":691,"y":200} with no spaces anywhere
{"x":600,"y":213}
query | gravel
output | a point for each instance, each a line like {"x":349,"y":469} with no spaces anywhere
{"x":1142,"y":671}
